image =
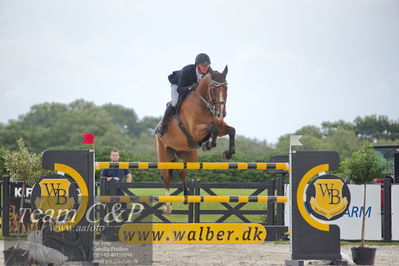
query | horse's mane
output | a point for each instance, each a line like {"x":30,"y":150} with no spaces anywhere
{"x":205,"y":81}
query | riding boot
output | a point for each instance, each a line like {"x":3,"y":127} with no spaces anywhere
{"x":162,"y":127}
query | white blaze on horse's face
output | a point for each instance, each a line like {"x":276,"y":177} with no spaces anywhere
{"x":222,"y":112}
{"x":219,"y":101}
{"x":217,"y":95}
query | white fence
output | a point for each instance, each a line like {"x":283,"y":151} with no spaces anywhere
{"x":395,"y":212}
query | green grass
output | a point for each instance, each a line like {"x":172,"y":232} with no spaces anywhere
{"x":210,"y":205}
{"x":369,"y":243}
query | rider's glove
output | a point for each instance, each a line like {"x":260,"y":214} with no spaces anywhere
{"x":194,"y":86}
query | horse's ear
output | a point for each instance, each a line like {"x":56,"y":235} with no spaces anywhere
{"x":226,"y":69}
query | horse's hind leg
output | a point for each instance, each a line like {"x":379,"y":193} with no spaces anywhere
{"x":165,"y":155}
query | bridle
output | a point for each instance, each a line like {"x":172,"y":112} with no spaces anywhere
{"x":211,"y":102}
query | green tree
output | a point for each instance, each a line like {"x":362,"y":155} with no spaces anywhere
{"x":361,"y":168}
{"x":311,"y":143}
{"x":343,"y":141}
{"x":126,"y":119}
{"x":330,"y":127}
{"x":23,"y":165}
{"x":373,"y":128}
{"x":310,"y":131}
{"x":53,"y":125}
{"x":312,"y":140}
{"x":3,"y":170}
{"x":394,"y":131}
{"x":283,"y":145}
{"x":148,"y":124}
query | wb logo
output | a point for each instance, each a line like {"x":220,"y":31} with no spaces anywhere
{"x":327,"y":197}
{"x":55,"y":195}
{"x":334,"y":194}
{"x":55,"y":190}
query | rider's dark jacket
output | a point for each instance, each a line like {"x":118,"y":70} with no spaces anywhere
{"x":184,"y":78}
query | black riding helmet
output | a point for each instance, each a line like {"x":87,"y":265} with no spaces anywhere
{"x":202,"y":59}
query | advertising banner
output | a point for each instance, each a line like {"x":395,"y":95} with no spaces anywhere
{"x":19,"y":216}
{"x":350,"y":222}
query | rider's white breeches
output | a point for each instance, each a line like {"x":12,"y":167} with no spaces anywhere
{"x":175,"y":94}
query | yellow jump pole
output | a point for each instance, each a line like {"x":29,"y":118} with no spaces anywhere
{"x":192,"y":165}
{"x":191,"y":199}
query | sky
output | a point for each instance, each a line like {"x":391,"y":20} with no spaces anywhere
{"x":291,"y":63}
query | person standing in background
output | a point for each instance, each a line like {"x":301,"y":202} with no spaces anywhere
{"x":119,"y":175}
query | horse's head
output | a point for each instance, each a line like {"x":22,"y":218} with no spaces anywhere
{"x":214,"y":89}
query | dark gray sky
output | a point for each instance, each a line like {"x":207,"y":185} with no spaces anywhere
{"x":291,"y":63}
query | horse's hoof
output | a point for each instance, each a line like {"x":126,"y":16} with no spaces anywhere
{"x":167,"y":209}
{"x":227,"y":155}
{"x":207,"y":146}
{"x":203,"y":146}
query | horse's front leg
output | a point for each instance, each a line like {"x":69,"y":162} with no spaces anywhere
{"x":213,"y":130}
{"x":232,"y":143}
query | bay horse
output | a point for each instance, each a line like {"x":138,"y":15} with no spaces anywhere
{"x":197,"y":123}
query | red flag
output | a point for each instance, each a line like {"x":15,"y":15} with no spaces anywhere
{"x":89,"y":138}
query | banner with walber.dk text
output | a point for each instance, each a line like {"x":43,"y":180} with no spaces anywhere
{"x":184,"y":233}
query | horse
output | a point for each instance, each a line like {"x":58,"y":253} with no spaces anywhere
{"x":197,"y":123}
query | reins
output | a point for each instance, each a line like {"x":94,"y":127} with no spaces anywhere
{"x":206,"y":103}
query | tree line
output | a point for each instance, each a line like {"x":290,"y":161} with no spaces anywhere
{"x":58,"y":126}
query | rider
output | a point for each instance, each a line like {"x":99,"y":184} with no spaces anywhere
{"x":182,"y":82}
